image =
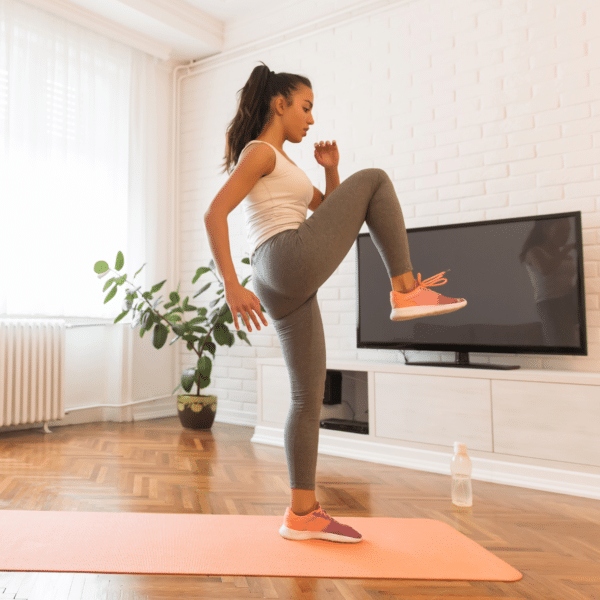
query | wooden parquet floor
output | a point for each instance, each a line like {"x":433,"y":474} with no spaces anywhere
{"x":157,"y":466}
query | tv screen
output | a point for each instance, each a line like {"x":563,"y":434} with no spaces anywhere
{"x":522,"y":279}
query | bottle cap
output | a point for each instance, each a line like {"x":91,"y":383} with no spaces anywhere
{"x":460,"y":448}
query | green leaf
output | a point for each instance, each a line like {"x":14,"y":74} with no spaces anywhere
{"x":120,"y":261}
{"x":223,"y":336}
{"x":157,"y":287}
{"x":111,"y":294}
{"x":205,"y":366}
{"x":226,"y":316}
{"x":121,"y":316}
{"x":190,"y":338}
{"x":242,"y":335}
{"x":205,"y":369}
{"x":122,"y":279}
{"x":196,"y":320}
{"x":101,"y":267}
{"x":200,"y":272}
{"x":148,"y":319}
{"x":109,"y":283}
{"x":139,"y":270}
{"x":246,"y":261}
{"x":160,"y":335}
{"x":174,"y":296}
{"x":188,"y":379}
{"x":203,"y":289}
{"x":179,"y":329}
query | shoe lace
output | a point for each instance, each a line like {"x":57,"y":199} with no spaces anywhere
{"x":432,"y":281}
{"x":322,"y":513}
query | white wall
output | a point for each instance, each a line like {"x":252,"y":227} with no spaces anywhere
{"x":477,"y":110}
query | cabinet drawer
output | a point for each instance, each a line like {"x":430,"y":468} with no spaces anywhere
{"x":434,"y":410}
{"x":276,"y":394}
{"x":553,"y":421}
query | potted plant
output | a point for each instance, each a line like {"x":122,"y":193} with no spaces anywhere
{"x":196,"y":411}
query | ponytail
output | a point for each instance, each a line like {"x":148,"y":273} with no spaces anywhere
{"x":254,"y":107}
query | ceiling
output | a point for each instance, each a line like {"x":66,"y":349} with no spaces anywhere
{"x":180,"y":30}
{"x":231,"y":10}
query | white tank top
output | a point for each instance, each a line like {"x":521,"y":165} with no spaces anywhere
{"x":278,"y":201}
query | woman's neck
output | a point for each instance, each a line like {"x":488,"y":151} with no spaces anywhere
{"x":274,"y":137}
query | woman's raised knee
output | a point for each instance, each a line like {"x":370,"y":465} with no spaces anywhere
{"x":375,"y":173}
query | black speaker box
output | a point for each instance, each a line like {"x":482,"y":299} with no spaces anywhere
{"x":333,"y":388}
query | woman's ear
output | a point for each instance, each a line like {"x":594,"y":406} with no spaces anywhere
{"x":278,"y":105}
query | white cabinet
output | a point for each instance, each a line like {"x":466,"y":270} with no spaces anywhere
{"x":433,"y":410}
{"x":553,"y":421}
{"x":529,"y":428}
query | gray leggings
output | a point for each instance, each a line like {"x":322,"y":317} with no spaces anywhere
{"x":288,"y":270}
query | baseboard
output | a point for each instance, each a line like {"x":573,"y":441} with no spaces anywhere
{"x":559,"y":481}
{"x":234,"y":417}
{"x":163,"y":407}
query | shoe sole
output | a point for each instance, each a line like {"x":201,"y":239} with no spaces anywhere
{"x":292,"y":534}
{"x":414,"y":312}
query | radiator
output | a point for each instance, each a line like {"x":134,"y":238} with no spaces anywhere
{"x":32,"y":360}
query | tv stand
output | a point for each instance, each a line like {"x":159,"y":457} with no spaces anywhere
{"x":462,"y":360}
{"x":533,"y":428}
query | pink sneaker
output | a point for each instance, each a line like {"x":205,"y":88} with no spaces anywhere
{"x":422,"y":302}
{"x":317,"y":525}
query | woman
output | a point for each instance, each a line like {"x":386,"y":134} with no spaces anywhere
{"x":292,"y":257}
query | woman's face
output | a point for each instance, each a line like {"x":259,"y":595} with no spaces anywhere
{"x":298,"y":118}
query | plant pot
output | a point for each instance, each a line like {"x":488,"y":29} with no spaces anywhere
{"x":196,"y":412}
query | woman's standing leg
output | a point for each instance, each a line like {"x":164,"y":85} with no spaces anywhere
{"x":302,"y":340}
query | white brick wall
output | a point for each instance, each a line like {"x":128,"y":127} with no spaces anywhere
{"x":477,"y":109}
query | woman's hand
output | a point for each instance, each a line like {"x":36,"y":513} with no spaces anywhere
{"x":244,"y":302}
{"x":326,"y":154}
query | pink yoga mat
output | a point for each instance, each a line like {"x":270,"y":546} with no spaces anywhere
{"x":196,"y":544}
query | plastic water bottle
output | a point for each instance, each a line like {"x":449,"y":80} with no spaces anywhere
{"x":460,"y":466}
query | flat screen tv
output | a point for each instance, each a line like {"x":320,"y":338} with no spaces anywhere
{"x":522,"y":279}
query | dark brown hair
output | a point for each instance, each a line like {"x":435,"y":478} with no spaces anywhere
{"x":254,"y":107}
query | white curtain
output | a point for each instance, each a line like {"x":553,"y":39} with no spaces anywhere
{"x":77,"y":163}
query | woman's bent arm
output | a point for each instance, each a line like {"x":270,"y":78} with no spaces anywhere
{"x":258,"y":161}
{"x":218,"y":237}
